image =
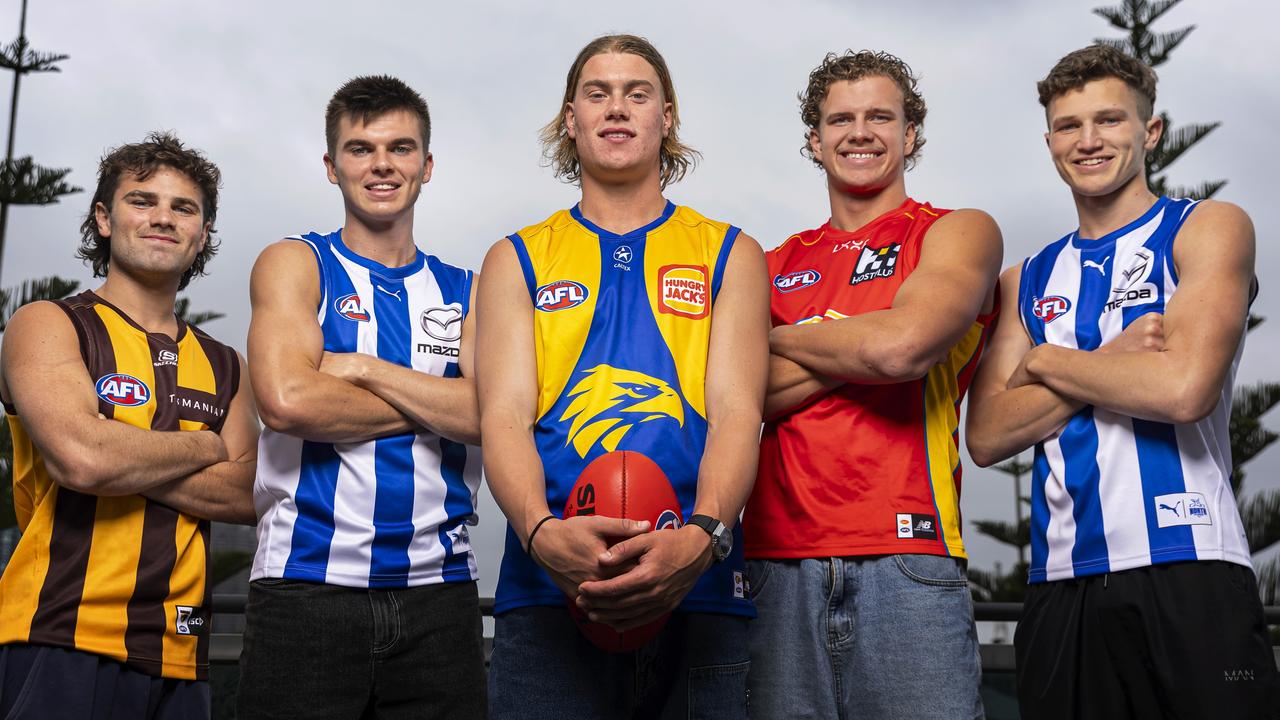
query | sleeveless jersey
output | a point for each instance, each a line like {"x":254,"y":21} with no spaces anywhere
{"x":863,"y":469}
{"x":386,"y":513}
{"x":622,"y":325}
{"x":1110,"y":492}
{"x":121,"y":576}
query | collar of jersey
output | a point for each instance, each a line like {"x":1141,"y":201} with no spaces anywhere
{"x":182,"y":324}
{"x":576,"y":212}
{"x":1111,"y":237}
{"x":403,"y":271}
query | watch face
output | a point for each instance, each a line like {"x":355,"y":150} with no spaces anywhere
{"x":723,"y":544}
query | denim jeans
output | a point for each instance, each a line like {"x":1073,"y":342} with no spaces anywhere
{"x":322,"y":651}
{"x":542,"y":667}
{"x":879,"y":638}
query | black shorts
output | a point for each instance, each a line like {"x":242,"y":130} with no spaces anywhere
{"x":48,"y":683}
{"x":1181,"y":640}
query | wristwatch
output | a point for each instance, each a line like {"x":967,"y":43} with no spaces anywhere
{"x":721,"y":538}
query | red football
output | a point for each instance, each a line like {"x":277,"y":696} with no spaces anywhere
{"x":623,"y":484}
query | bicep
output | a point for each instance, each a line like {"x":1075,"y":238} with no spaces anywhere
{"x":738,"y":356}
{"x":283,"y":333}
{"x":956,"y":275}
{"x":505,"y":357}
{"x":240,"y":429}
{"x":1009,"y":342}
{"x":45,"y":374}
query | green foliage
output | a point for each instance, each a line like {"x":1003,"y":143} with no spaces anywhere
{"x":1016,"y":534}
{"x":23,"y":182}
{"x":182,"y":308}
{"x":20,"y":58}
{"x":1248,"y":436}
{"x":997,"y":586}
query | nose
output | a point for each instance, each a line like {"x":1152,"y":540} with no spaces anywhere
{"x":162,"y":215}
{"x":1090,"y":139}
{"x":860,"y":129}
{"x":617,"y":109}
{"x":382,"y":161}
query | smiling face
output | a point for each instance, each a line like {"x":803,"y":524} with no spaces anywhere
{"x":380,"y":166}
{"x":156,"y":226}
{"x":1098,"y":139}
{"x":862,"y":138}
{"x":618,"y":118}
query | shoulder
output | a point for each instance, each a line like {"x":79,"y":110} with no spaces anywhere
{"x":1215,"y":216}
{"x":41,"y":317}
{"x":803,"y":238}
{"x":538,"y":230}
{"x":962,"y":220}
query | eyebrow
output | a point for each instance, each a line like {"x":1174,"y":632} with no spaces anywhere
{"x":154,"y":198}
{"x":628,"y":85}
{"x":361,"y":142}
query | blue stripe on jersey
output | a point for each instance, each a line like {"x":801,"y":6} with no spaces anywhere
{"x":526,"y":265}
{"x":1161,"y":470}
{"x":1079,"y":443}
{"x":1039,"y":515}
{"x":1095,"y":291}
{"x":313,"y":530}
{"x":730,"y":236}
{"x":392,"y":456}
{"x":340,"y":334}
{"x":1034,"y":280}
{"x":316,"y":241}
{"x":457,"y":504}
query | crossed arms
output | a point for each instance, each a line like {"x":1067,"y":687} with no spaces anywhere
{"x":201,"y":473}
{"x":341,"y":397}
{"x":1166,"y":368}
{"x":650,"y":573}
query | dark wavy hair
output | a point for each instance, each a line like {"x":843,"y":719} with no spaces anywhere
{"x":561,"y":152}
{"x":159,"y":150}
{"x":1095,"y":63}
{"x":369,"y":97}
{"x":853,"y":66}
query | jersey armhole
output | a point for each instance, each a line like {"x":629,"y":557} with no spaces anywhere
{"x":526,"y":264}
{"x":315,"y":252}
{"x":1023,"y":305}
{"x":722,"y":260}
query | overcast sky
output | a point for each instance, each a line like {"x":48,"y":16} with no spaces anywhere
{"x":248,"y":82}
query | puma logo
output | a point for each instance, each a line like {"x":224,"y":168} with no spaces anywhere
{"x":1099,"y":266}
{"x":1173,"y":509}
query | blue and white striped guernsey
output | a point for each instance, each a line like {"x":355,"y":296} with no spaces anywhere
{"x":391,"y":512}
{"x":1110,"y":492}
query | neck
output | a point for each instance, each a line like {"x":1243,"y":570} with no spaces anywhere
{"x":851,"y":210}
{"x":622,"y":207}
{"x":1108,"y":213}
{"x":387,"y":242}
{"x":147,"y":304}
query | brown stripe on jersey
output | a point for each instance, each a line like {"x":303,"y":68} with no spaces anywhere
{"x":95,"y":342}
{"x":144,"y":638}
{"x":166,"y":384}
{"x":226,"y":371}
{"x":54,"y":622}
{"x":202,"y":644}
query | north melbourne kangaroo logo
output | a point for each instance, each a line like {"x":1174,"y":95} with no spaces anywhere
{"x":609,"y":401}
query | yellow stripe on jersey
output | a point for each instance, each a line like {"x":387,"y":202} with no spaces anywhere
{"x":117,"y":525}
{"x":132,"y":358}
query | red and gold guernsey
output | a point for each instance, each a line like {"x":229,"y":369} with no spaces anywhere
{"x":863,"y":469}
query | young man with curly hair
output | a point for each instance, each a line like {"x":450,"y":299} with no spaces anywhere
{"x":363,"y":600}
{"x":1115,"y":360}
{"x":855,"y":558}
{"x":624,"y":323}
{"x":131,"y":431}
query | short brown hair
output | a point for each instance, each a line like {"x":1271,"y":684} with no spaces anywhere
{"x":369,"y":97}
{"x":853,"y":66}
{"x":1095,"y":63}
{"x":561,"y":152}
{"x":159,"y":150}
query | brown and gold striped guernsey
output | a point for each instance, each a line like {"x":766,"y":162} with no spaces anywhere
{"x":122,"y":577}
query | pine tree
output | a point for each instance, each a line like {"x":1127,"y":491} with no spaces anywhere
{"x":996,"y":585}
{"x":22,"y":181}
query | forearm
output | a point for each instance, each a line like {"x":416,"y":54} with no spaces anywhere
{"x":445,"y":406}
{"x":221,"y":492}
{"x":791,"y":386}
{"x":874,"y":348}
{"x":728,"y":469}
{"x":316,"y":406}
{"x":1011,"y":421}
{"x":1117,"y":381}
{"x":108,"y":457}
{"x":514,"y":472}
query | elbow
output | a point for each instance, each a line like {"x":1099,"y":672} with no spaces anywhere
{"x":984,"y":448}
{"x":79,"y":473}
{"x":983,"y":455}
{"x":902,"y":361}
{"x":281,"y":414}
{"x":1191,"y":406}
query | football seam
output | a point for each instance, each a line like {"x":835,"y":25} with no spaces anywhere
{"x":625,"y":484}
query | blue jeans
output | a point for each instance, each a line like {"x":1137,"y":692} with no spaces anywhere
{"x":848,"y":638}
{"x":542,"y":667}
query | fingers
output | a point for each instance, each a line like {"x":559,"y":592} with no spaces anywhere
{"x":626,"y":551}
{"x":609,"y":592}
{"x":617,"y":527}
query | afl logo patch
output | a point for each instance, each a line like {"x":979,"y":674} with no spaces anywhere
{"x":349,"y":307}
{"x":124,"y":390}
{"x":560,"y":295}
{"x":1050,"y":308}
{"x":683,"y":291}
{"x":668,"y":519}
{"x":798,"y":280}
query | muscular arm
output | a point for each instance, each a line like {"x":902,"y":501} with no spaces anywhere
{"x":1003,"y":422}
{"x":46,"y":379}
{"x":792,"y":385}
{"x":224,"y":491}
{"x":668,"y":564}
{"x":959,"y":262}
{"x":507,"y":384}
{"x":1203,"y":323}
{"x":285,"y":350}
{"x":445,"y":406}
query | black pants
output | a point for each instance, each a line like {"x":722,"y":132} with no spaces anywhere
{"x":1183,"y":640}
{"x":322,"y":651}
{"x":46,"y":683}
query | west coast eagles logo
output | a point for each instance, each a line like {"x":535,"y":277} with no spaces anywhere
{"x":609,"y":401}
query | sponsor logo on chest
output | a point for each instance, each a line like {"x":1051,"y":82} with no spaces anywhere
{"x":445,"y":325}
{"x":876,"y":263}
{"x":1131,"y":286}
{"x":683,"y":291}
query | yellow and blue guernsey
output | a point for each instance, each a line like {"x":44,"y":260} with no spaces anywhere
{"x":622,"y":325}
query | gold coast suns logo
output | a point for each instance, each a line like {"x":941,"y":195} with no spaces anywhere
{"x":609,"y":401}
